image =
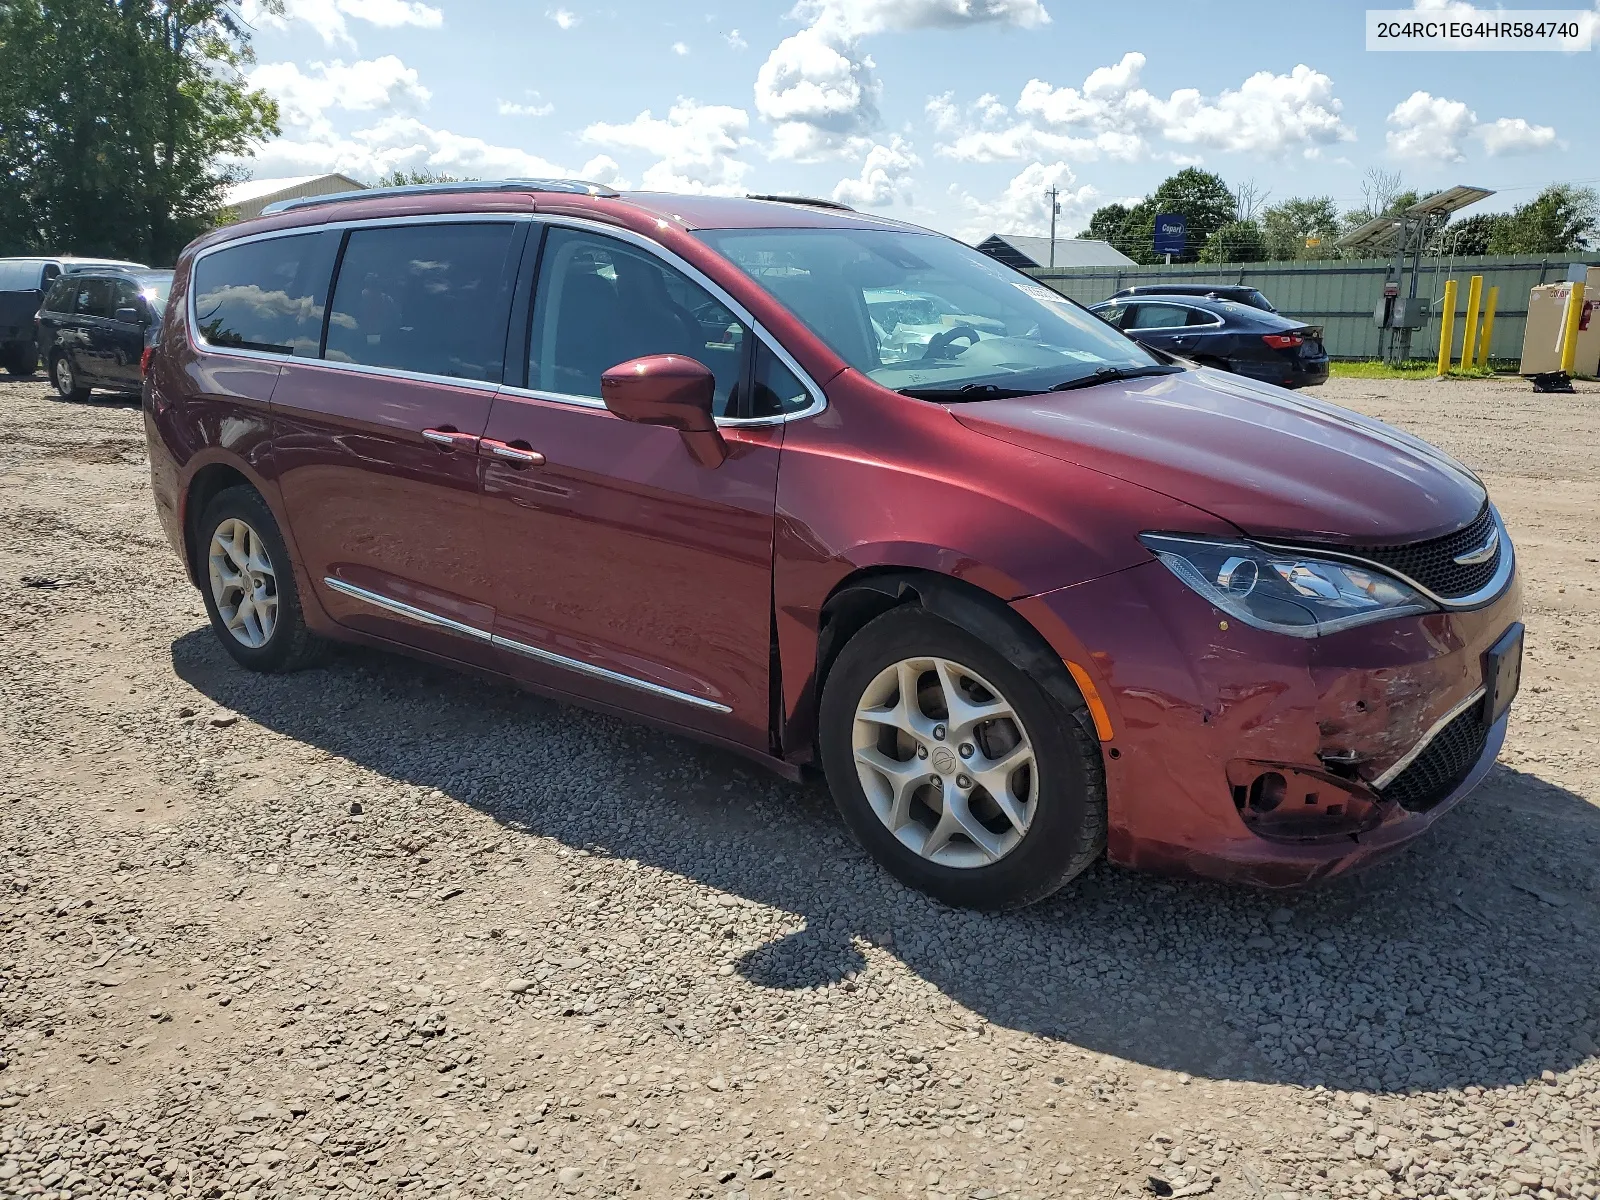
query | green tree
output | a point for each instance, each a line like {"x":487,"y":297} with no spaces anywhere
{"x":1130,"y":229}
{"x":1106,"y":222}
{"x":1471,"y":235}
{"x":1235,"y":242}
{"x":412,"y":178}
{"x":114,"y":118}
{"x":1287,"y":225}
{"x":1206,"y":202}
{"x":1562,"y":219}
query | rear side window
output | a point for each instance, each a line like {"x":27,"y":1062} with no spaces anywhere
{"x":1157,"y":316}
{"x":433,"y":299}
{"x":265,"y":295}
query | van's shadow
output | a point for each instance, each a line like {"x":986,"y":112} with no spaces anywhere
{"x":1432,"y":970}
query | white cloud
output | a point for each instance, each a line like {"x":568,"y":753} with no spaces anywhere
{"x":305,"y":98}
{"x":1023,"y":206}
{"x":1434,"y":129}
{"x":885,"y":177}
{"x":401,"y":143}
{"x":854,"y":18}
{"x":698,"y":146}
{"x":1513,"y":135}
{"x":735,"y":40}
{"x":680,"y":48}
{"x":1113,"y":116}
{"x":564,"y":17}
{"x":327,"y":17}
{"x":510,"y":108}
{"x":819,"y":93}
{"x":817,"y":87}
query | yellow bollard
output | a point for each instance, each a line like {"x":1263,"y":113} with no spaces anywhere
{"x":1488,"y":327}
{"x":1569,"y":329}
{"x":1469,"y":335}
{"x":1447,"y":325}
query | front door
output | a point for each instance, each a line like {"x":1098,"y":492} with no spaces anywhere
{"x":623,"y":569}
{"x":375,"y":442}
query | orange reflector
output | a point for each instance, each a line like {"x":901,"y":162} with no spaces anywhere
{"x":1097,"y":708}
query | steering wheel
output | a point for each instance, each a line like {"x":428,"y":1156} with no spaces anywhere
{"x":940,"y":342}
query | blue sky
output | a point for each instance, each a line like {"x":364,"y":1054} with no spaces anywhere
{"x":957,"y":114}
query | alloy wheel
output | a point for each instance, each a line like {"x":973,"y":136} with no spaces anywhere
{"x":243,"y":584}
{"x":63,"y":376}
{"x":945,"y":762}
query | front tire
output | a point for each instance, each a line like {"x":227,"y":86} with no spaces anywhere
{"x":960,"y":772}
{"x":65,"y":379}
{"x":247,"y":580}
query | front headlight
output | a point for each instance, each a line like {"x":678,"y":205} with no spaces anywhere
{"x":1282,"y":591}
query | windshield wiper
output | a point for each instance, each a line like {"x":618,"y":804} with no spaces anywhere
{"x":968,"y":391}
{"x":1112,"y":375}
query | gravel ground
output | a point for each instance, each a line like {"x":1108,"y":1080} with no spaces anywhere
{"x":381,"y":930}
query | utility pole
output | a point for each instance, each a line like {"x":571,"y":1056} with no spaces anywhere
{"x":1055,"y":210}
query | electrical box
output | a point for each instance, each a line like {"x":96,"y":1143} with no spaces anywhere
{"x":1401,"y":312}
{"x":1410,"y":312}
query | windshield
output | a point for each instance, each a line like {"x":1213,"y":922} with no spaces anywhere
{"x":919,"y":312}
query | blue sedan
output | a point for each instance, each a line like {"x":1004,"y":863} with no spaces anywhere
{"x":1224,"y":334}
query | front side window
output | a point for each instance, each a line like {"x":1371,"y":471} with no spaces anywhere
{"x":96,"y":298}
{"x":265,"y":296}
{"x":601,"y":302}
{"x":428,"y":298}
{"x":128,"y":297}
{"x":925,"y":314}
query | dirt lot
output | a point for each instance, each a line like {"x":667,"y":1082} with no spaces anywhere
{"x":379,"y":930}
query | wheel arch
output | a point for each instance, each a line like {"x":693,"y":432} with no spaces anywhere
{"x":203,"y":486}
{"x":869,"y":592}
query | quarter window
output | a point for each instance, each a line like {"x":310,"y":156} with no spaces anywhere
{"x":265,"y":295}
{"x":601,"y":302}
{"x":777,"y":390}
{"x":433,"y":299}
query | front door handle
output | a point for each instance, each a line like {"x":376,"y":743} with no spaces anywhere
{"x":450,"y":439}
{"x":519,"y":456}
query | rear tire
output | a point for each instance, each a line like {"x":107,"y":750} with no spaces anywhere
{"x":1056,"y":785}
{"x":65,"y":379}
{"x":247,"y":580}
{"x":23,"y":360}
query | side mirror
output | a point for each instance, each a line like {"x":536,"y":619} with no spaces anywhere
{"x":129,"y":316}
{"x":670,"y":390}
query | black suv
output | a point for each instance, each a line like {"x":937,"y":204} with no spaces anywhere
{"x":94,"y":327}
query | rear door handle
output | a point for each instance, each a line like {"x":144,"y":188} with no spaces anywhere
{"x":520,"y":456}
{"x":450,"y":439}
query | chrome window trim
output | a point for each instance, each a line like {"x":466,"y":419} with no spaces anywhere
{"x":1488,"y":593}
{"x":424,"y":617}
{"x":1434,"y":730}
{"x":481,"y":385}
{"x":819,"y":400}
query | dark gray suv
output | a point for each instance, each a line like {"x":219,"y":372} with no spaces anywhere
{"x":95,"y":326}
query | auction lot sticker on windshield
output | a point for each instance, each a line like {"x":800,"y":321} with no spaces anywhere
{"x":1560,"y":29}
{"x":1040,"y":292}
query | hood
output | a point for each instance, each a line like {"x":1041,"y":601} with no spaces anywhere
{"x":1273,"y":463}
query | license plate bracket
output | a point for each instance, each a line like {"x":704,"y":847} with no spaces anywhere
{"x":1502,"y":673}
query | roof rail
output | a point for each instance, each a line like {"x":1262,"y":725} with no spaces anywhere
{"x":571,"y":187}
{"x":810,"y":200}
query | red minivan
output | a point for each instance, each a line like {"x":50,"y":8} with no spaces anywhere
{"x":836,"y":492}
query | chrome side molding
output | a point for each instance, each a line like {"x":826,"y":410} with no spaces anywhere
{"x":424,"y":617}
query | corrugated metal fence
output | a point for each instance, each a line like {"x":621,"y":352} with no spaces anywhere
{"x":1341,"y":294}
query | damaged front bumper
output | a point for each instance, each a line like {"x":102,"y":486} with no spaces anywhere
{"x":1245,"y":755}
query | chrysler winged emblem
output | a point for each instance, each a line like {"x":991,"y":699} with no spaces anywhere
{"x":1483,"y":553}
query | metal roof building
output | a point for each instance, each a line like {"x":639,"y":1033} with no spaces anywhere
{"x":1020,"y":251}
{"x":247,"y":199}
